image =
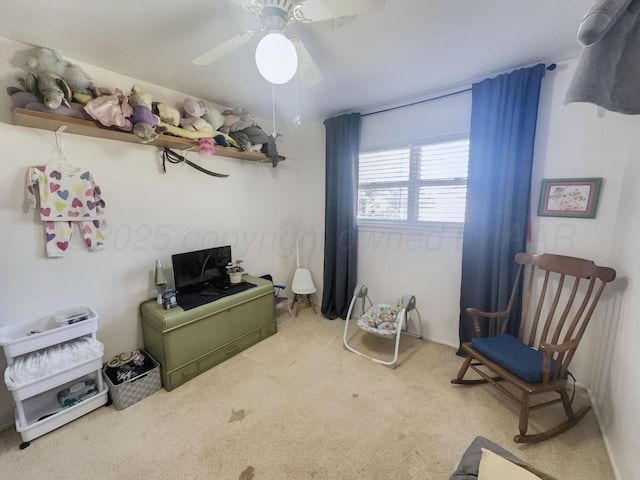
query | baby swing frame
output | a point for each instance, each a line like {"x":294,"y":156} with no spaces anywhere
{"x":408,"y":303}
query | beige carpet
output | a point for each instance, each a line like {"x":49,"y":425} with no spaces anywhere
{"x":298,"y":406}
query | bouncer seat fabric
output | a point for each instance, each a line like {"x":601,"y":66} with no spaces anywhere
{"x":381,"y":319}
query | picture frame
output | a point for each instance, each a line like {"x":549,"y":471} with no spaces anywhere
{"x":569,"y":197}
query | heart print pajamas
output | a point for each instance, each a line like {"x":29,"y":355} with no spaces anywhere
{"x":67,"y":196}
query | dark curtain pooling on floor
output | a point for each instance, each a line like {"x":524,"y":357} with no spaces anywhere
{"x":503,"y":125}
{"x":341,"y":234}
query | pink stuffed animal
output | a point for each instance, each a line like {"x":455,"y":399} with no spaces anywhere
{"x":111,"y":109}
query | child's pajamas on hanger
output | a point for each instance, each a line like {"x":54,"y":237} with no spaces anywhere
{"x":67,"y":196}
{"x":58,"y":236}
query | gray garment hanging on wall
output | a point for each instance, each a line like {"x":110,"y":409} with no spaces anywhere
{"x":608,"y":71}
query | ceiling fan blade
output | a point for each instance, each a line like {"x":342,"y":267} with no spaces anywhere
{"x":308,"y":71}
{"x":244,"y":3}
{"x":318,"y":10}
{"x":221,"y":50}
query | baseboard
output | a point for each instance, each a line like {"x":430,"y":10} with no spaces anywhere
{"x":6,"y":426}
{"x":605,"y":439}
{"x":440,"y":342}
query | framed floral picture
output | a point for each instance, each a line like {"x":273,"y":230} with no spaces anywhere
{"x":569,"y":197}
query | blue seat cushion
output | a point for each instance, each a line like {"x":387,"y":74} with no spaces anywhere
{"x":513,"y":355}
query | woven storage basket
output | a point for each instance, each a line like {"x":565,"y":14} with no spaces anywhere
{"x":131,"y":391}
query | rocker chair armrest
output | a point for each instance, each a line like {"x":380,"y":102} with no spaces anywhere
{"x":548,"y":350}
{"x":476,"y":315}
{"x":551,"y":348}
{"x":474,"y":312}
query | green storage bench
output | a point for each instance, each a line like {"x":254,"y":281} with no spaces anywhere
{"x":187,"y":343}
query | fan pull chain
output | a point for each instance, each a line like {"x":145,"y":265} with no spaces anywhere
{"x":273,"y":109}
{"x":296,"y":119}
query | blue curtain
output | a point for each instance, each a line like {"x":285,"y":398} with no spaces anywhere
{"x":341,"y":234}
{"x":503,"y":127}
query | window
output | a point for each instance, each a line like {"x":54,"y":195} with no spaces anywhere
{"x":414,"y":185}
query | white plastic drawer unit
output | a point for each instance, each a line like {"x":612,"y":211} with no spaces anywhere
{"x":38,"y":408}
{"x":48,"y":382}
{"x":20,"y":338}
{"x":48,"y":403}
{"x":43,"y":413}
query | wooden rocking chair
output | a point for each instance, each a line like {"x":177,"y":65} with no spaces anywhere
{"x":537,"y":362}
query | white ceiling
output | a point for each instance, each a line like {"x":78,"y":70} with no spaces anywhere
{"x":407,"y":50}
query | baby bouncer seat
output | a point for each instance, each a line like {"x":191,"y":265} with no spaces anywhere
{"x":382,"y":320}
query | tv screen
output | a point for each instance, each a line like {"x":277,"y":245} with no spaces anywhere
{"x":193,"y":271}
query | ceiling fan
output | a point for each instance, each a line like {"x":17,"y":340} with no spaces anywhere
{"x":278,"y":55}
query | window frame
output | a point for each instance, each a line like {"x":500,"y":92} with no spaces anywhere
{"x":413,"y":185}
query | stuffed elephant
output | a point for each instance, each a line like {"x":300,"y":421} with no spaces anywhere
{"x":50,"y":89}
{"x":28,"y":101}
{"x":608,"y":70}
{"x":46,"y":60}
{"x":602,"y":15}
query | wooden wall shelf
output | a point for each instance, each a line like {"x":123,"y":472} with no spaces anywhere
{"x":48,"y":121}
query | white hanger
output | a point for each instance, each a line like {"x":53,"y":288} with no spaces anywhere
{"x":61,"y":162}
{"x":59,"y":142}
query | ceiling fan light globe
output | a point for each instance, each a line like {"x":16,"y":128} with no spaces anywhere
{"x":276,"y":58}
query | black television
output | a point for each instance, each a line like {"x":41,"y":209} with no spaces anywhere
{"x":201,"y":269}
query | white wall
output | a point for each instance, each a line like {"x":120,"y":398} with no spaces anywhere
{"x":574,"y":141}
{"x":258,"y":209}
{"x":424,"y":263}
{"x":617,"y":393}
{"x":582,"y":141}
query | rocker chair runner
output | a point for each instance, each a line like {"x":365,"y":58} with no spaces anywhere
{"x":537,"y":362}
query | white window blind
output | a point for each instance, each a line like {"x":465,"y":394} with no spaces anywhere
{"x":414,"y":185}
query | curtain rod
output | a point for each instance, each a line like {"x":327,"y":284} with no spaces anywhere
{"x":550,"y":67}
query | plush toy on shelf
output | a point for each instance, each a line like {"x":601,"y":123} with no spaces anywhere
{"x":192,"y":112}
{"x":247,"y":138}
{"x":270,"y":149}
{"x":48,"y":61}
{"x":145,"y":123}
{"x":29,"y":101}
{"x":111,"y":108}
{"x":236,"y":119}
{"x":214,"y":116}
{"x":50,"y":89}
{"x":167,"y":113}
{"x":193,"y":120}
{"x":242,"y":127}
